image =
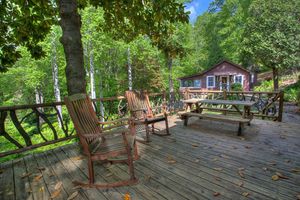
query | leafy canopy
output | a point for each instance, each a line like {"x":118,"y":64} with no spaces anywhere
{"x":26,"y":23}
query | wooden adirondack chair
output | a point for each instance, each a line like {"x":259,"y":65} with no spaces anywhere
{"x":140,"y":109}
{"x":114,"y":145}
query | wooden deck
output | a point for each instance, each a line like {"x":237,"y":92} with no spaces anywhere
{"x":205,"y":160}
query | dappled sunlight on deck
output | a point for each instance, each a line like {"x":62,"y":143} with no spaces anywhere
{"x":204,"y":160}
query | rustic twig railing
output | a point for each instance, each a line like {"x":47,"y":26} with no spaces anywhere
{"x":27,"y":127}
{"x":269,"y":105}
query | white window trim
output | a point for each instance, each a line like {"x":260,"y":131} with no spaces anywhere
{"x":207,"y":86}
{"x":242,"y":78}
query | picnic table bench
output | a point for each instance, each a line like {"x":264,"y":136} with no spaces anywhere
{"x":245,"y":117}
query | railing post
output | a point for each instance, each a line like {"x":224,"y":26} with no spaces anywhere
{"x":281,"y":95}
{"x":225,"y":98}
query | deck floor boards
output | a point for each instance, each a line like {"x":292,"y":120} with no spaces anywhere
{"x":207,"y":158}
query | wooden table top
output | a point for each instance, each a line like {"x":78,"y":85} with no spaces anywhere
{"x":222,"y":102}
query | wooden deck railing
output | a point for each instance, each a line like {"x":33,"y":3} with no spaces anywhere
{"x":27,"y":127}
{"x":269,"y":105}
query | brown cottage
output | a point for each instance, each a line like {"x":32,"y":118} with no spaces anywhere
{"x":219,"y":77}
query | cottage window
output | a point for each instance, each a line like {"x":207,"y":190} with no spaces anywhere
{"x":238,"y":79}
{"x":210,"y":81}
{"x":197,"y":83}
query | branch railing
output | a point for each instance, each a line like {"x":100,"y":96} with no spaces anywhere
{"x":27,"y":127}
{"x":268,"y":105}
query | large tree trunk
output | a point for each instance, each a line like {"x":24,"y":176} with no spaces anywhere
{"x":171,"y":84}
{"x":71,"y":39}
{"x":55,"y":79}
{"x":129,"y":69}
{"x":275,"y":78}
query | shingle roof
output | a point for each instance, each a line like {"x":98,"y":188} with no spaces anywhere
{"x":202,"y":73}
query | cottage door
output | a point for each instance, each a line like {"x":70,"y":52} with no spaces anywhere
{"x":224,"y":81}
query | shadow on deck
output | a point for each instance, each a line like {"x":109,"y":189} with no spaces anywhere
{"x":205,"y":160}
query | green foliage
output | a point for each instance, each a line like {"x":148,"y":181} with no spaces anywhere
{"x":265,"y":86}
{"x":236,"y":87}
{"x":218,"y":33}
{"x":272,"y":34}
{"x":24,"y":23}
{"x":292,"y":92}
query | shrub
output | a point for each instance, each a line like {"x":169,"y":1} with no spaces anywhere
{"x":265,"y":86}
{"x":292,"y":93}
{"x":236,"y":87}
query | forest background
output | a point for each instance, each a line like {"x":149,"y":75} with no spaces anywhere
{"x":259,"y":35}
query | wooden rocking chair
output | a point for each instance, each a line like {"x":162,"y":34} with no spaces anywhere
{"x":114,"y":145}
{"x":140,"y":109}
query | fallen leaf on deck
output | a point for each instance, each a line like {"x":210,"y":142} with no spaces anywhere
{"x":295,"y":170}
{"x":245,"y":194}
{"x":282,"y":137}
{"x":77,"y":158}
{"x":195,"y":145}
{"x":215,"y":159}
{"x":38,"y":177}
{"x":58,"y":185}
{"x":242,"y":138}
{"x":275,"y":177}
{"x":147,"y":178}
{"x":172,"y":140}
{"x":127,"y":196}
{"x":171,"y":160}
{"x":248,"y":147}
{"x":241,"y":174}
{"x":298,"y":197}
{"x":265,"y":169}
{"x":240,"y":184}
{"x":42,"y":189}
{"x":41,"y":168}
{"x":26,"y":175}
{"x":197,"y":160}
{"x":272,"y":163}
{"x":281,"y":175}
{"x":241,"y":169}
{"x":55,"y":194}
{"x":224,"y":156}
{"x":109,"y":174}
{"x":218,"y":168}
{"x":73,"y":195}
{"x":217,"y":194}
{"x":77,"y":187}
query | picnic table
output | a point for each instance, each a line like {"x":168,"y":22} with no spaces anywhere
{"x":245,"y":117}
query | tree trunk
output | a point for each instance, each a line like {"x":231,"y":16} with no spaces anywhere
{"x":275,"y":78}
{"x":71,"y":39}
{"x":129,"y":69}
{"x":92,"y":72}
{"x":39,"y":99}
{"x":171,"y":84}
{"x":101,"y":96}
{"x":55,"y":80}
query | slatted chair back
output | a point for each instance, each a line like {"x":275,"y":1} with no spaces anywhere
{"x":138,"y":104}
{"x":83,"y":116}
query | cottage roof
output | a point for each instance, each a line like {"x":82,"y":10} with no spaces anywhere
{"x":202,"y":73}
